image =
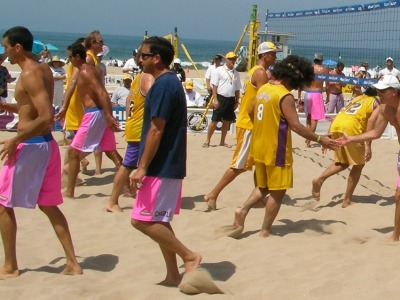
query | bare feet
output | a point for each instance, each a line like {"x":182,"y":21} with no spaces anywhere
{"x":264,"y":233}
{"x":72,"y":270}
{"x":226,"y":145}
{"x":316,"y":188}
{"x":84,"y":164}
{"x":240,"y":217}
{"x":347,"y":203}
{"x":206,"y":145}
{"x":211,"y":202}
{"x":169,"y":281}
{"x":68,"y":194}
{"x":114,"y":208}
{"x":193,"y":262}
{"x":308,"y":143}
{"x":4,"y":273}
{"x":393,"y":238}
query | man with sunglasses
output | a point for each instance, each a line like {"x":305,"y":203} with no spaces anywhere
{"x":389,"y":93}
{"x":162,"y":159}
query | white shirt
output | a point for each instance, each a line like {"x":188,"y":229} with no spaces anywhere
{"x":385,"y":71}
{"x":209,"y":71}
{"x":227,"y":81}
{"x":129,"y":65}
{"x":119,"y":96}
{"x":58,"y":72}
{"x":193,"y":99}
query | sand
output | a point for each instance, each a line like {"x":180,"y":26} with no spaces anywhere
{"x":327,"y":253}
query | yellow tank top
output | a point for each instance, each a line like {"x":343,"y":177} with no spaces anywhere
{"x":272,"y":139}
{"x":133,"y":128}
{"x":75,"y":112}
{"x":96,"y":61}
{"x":243,"y":120}
{"x":354,"y":117}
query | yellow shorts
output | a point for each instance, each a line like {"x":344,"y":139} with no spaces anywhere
{"x":274,"y":177}
{"x":241,"y":158}
{"x":352,"y":153}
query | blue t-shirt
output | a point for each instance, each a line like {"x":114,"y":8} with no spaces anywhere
{"x":166,"y":100}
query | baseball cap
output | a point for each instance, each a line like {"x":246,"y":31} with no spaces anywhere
{"x":127,"y":77}
{"x":231,"y":55}
{"x":362,"y":69}
{"x":189,"y":84}
{"x":318,"y":56}
{"x":387,"y":81}
{"x":389,"y":58}
{"x":266,"y":47}
{"x":177,"y":61}
{"x":218,"y":56}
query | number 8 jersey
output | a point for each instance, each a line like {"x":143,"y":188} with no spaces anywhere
{"x":272,"y":139}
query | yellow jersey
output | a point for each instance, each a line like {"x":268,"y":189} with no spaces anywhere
{"x":134,"y":124}
{"x":243,"y":120}
{"x":354,"y":117}
{"x":75,"y":112}
{"x":272,"y":138}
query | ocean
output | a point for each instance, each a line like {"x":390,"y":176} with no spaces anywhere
{"x":121,"y":47}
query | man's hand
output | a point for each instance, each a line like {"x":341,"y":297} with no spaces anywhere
{"x":136,"y":181}
{"x":112,"y":123}
{"x":61,"y":114}
{"x":9,"y":149}
{"x":344,"y":140}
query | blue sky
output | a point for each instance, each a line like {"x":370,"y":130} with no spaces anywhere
{"x":200,"y":19}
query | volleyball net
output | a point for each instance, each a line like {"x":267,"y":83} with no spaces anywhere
{"x":349,"y":34}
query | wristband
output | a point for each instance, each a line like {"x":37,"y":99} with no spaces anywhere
{"x":318,"y":138}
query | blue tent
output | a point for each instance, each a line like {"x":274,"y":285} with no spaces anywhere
{"x":329,"y":63}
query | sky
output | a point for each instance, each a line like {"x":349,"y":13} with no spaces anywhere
{"x":198,"y":19}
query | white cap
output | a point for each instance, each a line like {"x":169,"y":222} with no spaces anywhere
{"x":177,"y":61}
{"x":362,"y":69}
{"x":387,"y":81}
{"x":389,"y":58}
{"x":266,"y":47}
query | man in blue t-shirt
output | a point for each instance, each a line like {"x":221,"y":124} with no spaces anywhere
{"x":162,"y":159}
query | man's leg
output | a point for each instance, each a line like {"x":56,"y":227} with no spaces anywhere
{"x":8,"y":228}
{"x":271,"y":211}
{"x":227,"y":178}
{"x":120,"y":180}
{"x":73,"y":170}
{"x":257,"y":195}
{"x":352,"y":181}
{"x":98,"y":158}
{"x":210,"y":132}
{"x":224,"y":131}
{"x":396,"y":232}
{"x":308,"y":125}
{"x":115,"y":157}
{"x":162,"y":233}
{"x":60,"y":226}
{"x":317,"y":182}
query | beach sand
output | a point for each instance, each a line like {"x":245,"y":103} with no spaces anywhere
{"x":328,"y":253}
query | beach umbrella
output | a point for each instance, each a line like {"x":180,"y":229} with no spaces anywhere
{"x":38,"y":47}
{"x":51,"y":47}
{"x":329,"y":63}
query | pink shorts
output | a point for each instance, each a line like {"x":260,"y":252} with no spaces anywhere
{"x":94,"y":133}
{"x":314,"y":105}
{"x":35,"y":175}
{"x":158,"y":200}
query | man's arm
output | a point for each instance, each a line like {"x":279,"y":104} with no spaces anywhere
{"x":69,"y":91}
{"x":151,"y":146}
{"x":11,"y":107}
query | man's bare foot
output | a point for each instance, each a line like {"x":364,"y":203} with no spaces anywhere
{"x":264,"y":233}
{"x":193,"y":262}
{"x":98,"y":172}
{"x":4,"y":273}
{"x":211,"y":202}
{"x":393,"y":238}
{"x":114,"y":208}
{"x":347,"y":203}
{"x":72,"y":270}
{"x":316,"y":188}
{"x":169,"y":281}
{"x":68,"y":194}
{"x":226,"y":145}
{"x":84,"y":164}
{"x":240,"y":217}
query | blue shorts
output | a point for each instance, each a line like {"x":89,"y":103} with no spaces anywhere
{"x":131,"y":155}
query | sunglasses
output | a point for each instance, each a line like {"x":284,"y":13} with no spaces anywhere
{"x":144,"y":55}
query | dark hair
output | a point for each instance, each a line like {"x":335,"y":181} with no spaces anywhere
{"x":162,"y":47}
{"x":371,"y":91}
{"x":20,"y":35}
{"x":80,"y":40}
{"x":297,"y":70}
{"x":340,"y":64}
{"x":77,"y":48}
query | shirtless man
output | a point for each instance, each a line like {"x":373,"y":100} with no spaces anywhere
{"x":389,"y":112}
{"x":32,"y":170}
{"x":313,"y":100}
{"x":98,"y":124}
{"x":334,"y":92}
